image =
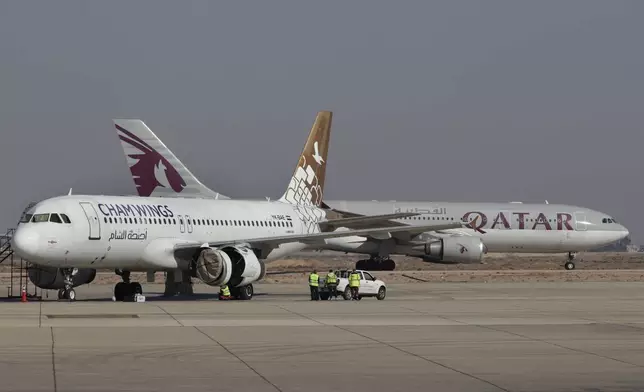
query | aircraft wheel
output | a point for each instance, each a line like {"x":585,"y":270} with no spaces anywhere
{"x":569,"y":265}
{"x":246,"y":292}
{"x":120,"y":291}
{"x":61,"y":294}
{"x":71,"y":295}
{"x":136,"y":288}
{"x":391,"y":265}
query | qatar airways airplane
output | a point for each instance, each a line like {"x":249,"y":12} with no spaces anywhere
{"x":488,"y":227}
{"x":219,"y":241}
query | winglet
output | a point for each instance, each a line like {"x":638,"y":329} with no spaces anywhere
{"x":306,"y":186}
{"x":156,"y":171}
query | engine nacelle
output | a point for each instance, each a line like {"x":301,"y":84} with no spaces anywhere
{"x":232,"y":265}
{"x":456,"y":249}
{"x":51,"y":278}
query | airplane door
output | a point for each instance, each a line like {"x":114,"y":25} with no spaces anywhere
{"x":580,"y":221}
{"x":188,"y":224}
{"x":182,"y":225}
{"x":92,"y":219}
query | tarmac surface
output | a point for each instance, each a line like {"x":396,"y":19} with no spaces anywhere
{"x":423,"y":337}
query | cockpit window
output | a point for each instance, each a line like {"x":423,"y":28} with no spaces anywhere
{"x":65,"y":218}
{"x":26,"y":218}
{"x":55,"y":218}
{"x":609,"y":220}
{"x":40,"y":218}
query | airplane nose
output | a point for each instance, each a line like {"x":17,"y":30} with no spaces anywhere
{"x":25,"y":243}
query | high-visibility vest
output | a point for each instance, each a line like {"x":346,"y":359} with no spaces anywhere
{"x":354,"y":280}
{"x":225,"y":291}
{"x":331,"y":278}
{"x":313,"y":280}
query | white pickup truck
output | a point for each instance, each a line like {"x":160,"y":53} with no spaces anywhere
{"x":369,"y":285}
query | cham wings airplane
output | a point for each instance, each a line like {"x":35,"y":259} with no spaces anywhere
{"x":488,"y":227}
{"x":219,"y":241}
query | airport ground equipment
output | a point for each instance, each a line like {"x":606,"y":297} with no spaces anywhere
{"x":370,"y":286}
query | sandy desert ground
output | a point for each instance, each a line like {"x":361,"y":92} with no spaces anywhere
{"x":622,"y":267}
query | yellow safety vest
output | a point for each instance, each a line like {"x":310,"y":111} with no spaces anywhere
{"x":313,"y":280}
{"x":225,"y":291}
{"x":354,"y":280}
{"x":331,"y":278}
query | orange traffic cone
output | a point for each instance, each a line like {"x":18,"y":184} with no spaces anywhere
{"x":23,"y":296}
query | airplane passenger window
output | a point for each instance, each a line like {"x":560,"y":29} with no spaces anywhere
{"x":105,"y":219}
{"x":55,"y":218}
{"x":40,"y":218}
{"x":65,"y":218}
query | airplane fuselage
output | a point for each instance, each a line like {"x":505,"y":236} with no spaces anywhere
{"x":116,"y":231}
{"x":503,"y":227}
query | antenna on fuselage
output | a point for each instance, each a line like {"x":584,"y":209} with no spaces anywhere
{"x":547,"y":202}
{"x":70,"y":192}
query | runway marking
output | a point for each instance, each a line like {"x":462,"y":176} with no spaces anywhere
{"x":53,"y":359}
{"x":238,"y":358}
{"x":401,"y":350}
{"x":171,"y":316}
{"x":91,"y":316}
{"x":550,"y":343}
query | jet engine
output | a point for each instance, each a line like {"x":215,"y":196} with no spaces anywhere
{"x":233,"y":265}
{"x":458,"y":249}
{"x":51,"y":278}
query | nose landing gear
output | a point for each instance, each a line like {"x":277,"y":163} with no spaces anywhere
{"x":68,"y":292}
{"x":570,"y":265}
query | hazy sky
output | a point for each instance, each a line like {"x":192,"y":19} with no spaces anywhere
{"x":433,"y":100}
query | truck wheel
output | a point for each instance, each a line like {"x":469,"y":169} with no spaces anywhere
{"x":382,"y":292}
{"x":347,"y":293}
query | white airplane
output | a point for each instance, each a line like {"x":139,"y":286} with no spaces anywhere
{"x":488,"y":227}
{"x":218,"y":241}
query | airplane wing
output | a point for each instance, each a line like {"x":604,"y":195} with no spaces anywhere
{"x":399,"y":232}
{"x":364,"y":222}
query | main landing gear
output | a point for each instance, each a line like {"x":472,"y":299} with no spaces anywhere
{"x":68,"y":292}
{"x":570,"y":265}
{"x":126,"y":290}
{"x":244,"y":292}
{"x":376,"y":264}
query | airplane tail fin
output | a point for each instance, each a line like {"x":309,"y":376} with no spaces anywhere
{"x":307,"y":183}
{"x":156,"y":171}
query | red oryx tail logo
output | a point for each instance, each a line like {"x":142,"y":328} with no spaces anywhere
{"x":151,"y":169}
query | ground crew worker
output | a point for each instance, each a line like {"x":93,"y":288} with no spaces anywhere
{"x":224,"y":292}
{"x":332,"y":284}
{"x":314,"y":279}
{"x":354,"y":284}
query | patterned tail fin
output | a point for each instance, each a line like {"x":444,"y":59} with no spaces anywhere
{"x":307,"y":184}
{"x":156,"y":171}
